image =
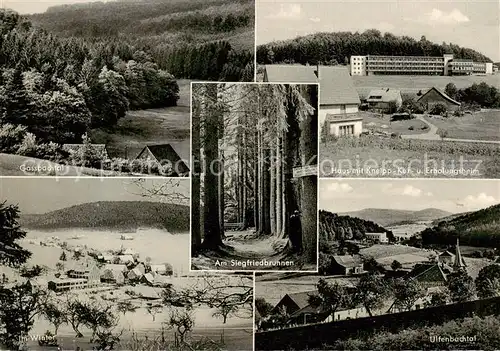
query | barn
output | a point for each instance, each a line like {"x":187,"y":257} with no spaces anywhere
{"x":164,"y":154}
{"x":384,"y":100}
{"x":435,"y":96}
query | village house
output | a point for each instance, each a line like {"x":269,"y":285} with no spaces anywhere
{"x":114,"y":274}
{"x":88,"y":271}
{"x":347,"y":265}
{"x":384,"y":100}
{"x":164,"y":155}
{"x":380,"y":238}
{"x":123,"y":259}
{"x":339,"y":101}
{"x":135,"y":274}
{"x":435,"y":96}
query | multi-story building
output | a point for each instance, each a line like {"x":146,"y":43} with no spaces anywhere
{"x":66,"y":284}
{"x":416,"y":65}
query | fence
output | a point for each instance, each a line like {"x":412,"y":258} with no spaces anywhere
{"x":318,"y":335}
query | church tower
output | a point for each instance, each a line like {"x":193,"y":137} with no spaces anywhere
{"x":459,"y":263}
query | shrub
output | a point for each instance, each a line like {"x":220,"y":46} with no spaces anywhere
{"x":411,"y":128}
{"x":438,"y":109}
{"x":28,"y":146}
{"x":11,"y":137}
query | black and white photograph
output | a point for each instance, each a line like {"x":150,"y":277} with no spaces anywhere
{"x":103,"y":87}
{"x":408,"y":89}
{"x":404,"y":264}
{"x":103,"y":264}
{"x":254,"y":181}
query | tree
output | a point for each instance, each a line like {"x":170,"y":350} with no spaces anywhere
{"x":77,"y":255}
{"x":32,"y":272}
{"x":438,"y":109}
{"x":438,"y":299}
{"x":225,"y":311}
{"x":19,"y":306}
{"x":75,"y":314}
{"x":11,"y":253}
{"x":154,"y":309}
{"x":97,"y":317}
{"x":125,"y":306}
{"x":406,"y":292}
{"x":371,"y":291}
{"x":396,"y":265}
{"x":461,"y":286}
{"x":182,"y":320}
{"x":331,"y":296}
{"x":263,"y":307}
{"x":54,"y":314}
{"x":443,"y":133}
{"x":63,"y":256}
{"x":488,"y":281}
{"x":451,"y":90}
{"x":371,"y":265}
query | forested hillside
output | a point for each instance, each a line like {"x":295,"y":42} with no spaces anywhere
{"x":57,"y":89}
{"x":113,"y":215}
{"x":196,"y":39}
{"x":333,"y":227}
{"x":478,"y":228}
{"x":388,"y":217}
{"x":336,"y":48}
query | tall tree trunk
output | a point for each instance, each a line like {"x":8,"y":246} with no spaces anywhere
{"x":266,"y":192}
{"x":195,"y":179}
{"x":261,"y":183}
{"x":272,"y":200}
{"x":256,"y":183}
{"x":212,"y":238}
{"x":221,"y":193}
{"x":245,"y":174}
{"x":278,"y":181}
{"x":309,"y":147}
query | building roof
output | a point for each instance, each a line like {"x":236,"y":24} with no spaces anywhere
{"x":446,"y":97}
{"x":116,"y":267}
{"x":126,"y":258}
{"x":301,"y":299}
{"x":428,"y":272}
{"x":383,"y":95}
{"x":458,"y":262}
{"x":158,"y":267}
{"x":348,"y":261}
{"x":165,"y":152}
{"x":336,"y":85}
{"x":446,"y":253}
{"x":347,"y":117}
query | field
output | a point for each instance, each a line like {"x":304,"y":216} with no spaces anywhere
{"x":484,"y":125}
{"x":154,"y":126}
{"x":383,"y":123}
{"x":412,"y":84}
{"x":368,"y":157}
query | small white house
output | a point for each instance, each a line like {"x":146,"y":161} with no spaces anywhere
{"x":378,"y":237}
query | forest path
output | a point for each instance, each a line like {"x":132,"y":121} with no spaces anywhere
{"x":245,"y":250}
{"x":247,"y":244}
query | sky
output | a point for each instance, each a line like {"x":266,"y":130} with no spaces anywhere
{"x":38,"y":6}
{"x":450,"y":195}
{"x":41,"y":195}
{"x":468,"y":23}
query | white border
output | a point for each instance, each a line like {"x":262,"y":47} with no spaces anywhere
{"x":317,"y":190}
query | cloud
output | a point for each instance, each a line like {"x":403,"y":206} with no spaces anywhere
{"x":429,"y":194}
{"x":291,"y":11}
{"x":339,"y":187}
{"x":407,"y":190}
{"x":479,"y":201}
{"x":315,"y":19}
{"x":438,"y":17}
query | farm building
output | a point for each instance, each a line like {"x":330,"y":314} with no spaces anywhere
{"x":434,"y":96}
{"x":347,"y":265}
{"x":292,"y":303}
{"x":338,"y":96}
{"x":430,"y":274}
{"x":384,"y":100}
{"x":165,"y":155}
{"x":134,"y":274}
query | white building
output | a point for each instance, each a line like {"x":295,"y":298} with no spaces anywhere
{"x":378,"y":237}
{"x":358,"y":65}
{"x":66,"y":284}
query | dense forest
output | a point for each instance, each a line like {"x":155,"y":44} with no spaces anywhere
{"x":246,"y":141}
{"x":113,"y":215}
{"x":196,"y":39}
{"x":478,"y":228}
{"x":337,"y":48}
{"x":53,"y":90}
{"x":333,"y":227}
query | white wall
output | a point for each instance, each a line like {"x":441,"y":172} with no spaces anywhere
{"x":358,"y":65}
{"x":333,"y":127}
{"x":489,"y":68}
